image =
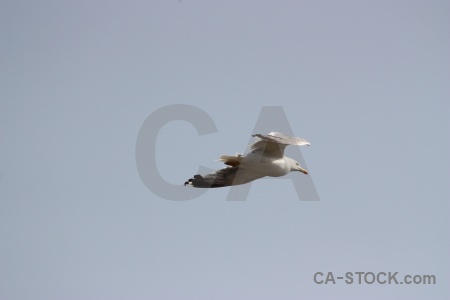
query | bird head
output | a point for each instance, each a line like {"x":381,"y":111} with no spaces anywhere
{"x":295,"y":166}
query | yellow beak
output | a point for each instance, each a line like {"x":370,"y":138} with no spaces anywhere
{"x":303,"y":171}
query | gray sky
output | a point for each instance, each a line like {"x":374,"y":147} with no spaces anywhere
{"x":365,"y":82}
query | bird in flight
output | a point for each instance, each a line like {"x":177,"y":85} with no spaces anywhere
{"x":266,"y":158}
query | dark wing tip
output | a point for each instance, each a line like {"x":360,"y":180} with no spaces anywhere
{"x":193,"y":181}
{"x":198,"y":181}
{"x":219,"y":178}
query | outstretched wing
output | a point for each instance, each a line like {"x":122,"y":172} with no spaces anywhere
{"x":219,"y":178}
{"x":274,"y":143}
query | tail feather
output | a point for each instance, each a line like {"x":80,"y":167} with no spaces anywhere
{"x":231,"y":160}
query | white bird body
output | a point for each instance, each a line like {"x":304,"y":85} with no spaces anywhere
{"x":272,"y":167}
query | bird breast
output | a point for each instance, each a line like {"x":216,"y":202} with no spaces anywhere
{"x":265,"y":167}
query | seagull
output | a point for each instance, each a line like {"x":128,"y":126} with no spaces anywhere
{"x":266,"y":158}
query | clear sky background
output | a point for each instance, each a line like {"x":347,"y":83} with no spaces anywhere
{"x":366,"y":82}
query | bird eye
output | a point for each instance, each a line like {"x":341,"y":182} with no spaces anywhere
{"x":297,"y":164}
